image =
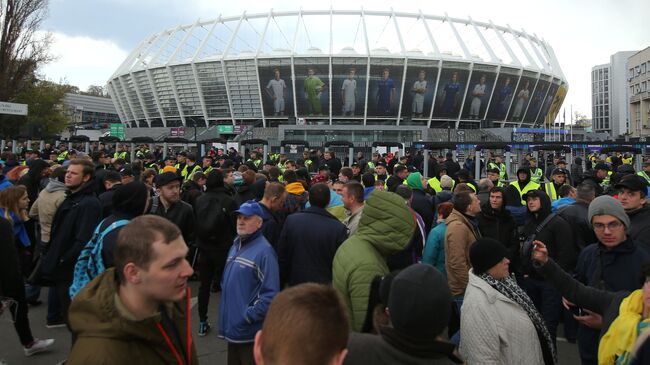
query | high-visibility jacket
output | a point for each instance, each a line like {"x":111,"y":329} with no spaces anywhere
{"x":627,"y":161}
{"x":207,"y":170}
{"x":62,"y":156}
{"x":605,"y":182}
{"x":644,"y":175}
{"x":190,"y":172}
{"x":502,"y":170}
{"x":551,"y":191}
{"x":536,"y":174}
{"x":257,"y":162}
{"x":434,"y":183}
{"x":530,"y":186}
{"x":377,"y":178}
{"x":121,"y":155}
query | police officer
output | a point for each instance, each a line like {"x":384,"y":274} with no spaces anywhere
{"x":558,"y":178}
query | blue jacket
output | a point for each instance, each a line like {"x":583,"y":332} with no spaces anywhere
{"x":4,"y":182}
{"x":250,"y":281}
{"x":561,"y":202}
{"x":434,"y":251}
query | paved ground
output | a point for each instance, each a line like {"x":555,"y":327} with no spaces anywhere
{"x":211,"y":349}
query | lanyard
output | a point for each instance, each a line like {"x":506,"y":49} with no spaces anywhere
{"x":175,"y":352}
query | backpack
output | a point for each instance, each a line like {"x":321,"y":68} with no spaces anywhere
{"x":90,"y":263}
{"x":211,"y":216}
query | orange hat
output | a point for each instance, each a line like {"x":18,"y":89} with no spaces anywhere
{"x":169,"y":169}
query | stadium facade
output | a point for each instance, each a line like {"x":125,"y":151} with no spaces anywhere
{"x":340,"y":67}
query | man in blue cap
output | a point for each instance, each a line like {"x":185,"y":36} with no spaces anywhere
{"x":251,"y":272}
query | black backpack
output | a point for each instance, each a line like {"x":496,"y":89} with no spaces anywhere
{"x":211,"y":217}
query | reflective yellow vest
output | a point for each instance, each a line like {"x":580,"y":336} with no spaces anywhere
{"x":550,"y":190}
{"x":121,"y":155}
{"x":536,"y":174}
{"x":434,"y":183}
{"x":62,"y":156}
{"x":605,"y":182}
{"x":530,"y":186}
{"x":627,"y":161}
{"x":644,"y":175}
{"x":190,"y":174}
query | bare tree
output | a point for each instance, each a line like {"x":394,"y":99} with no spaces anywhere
{"x":22,"y":47}
{"x":95,"y":90}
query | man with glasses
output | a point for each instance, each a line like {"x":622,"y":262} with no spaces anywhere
{"x":612,"y":264}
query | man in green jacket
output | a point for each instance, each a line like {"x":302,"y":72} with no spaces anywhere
{"x":140,"y":310}
{"x":385,"y":228}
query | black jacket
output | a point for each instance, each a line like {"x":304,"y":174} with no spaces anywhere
{"x":106,"y":199}
{"x":452,"y":167}
{"x":499,"y":225}
{"x":307,"y":245}
{"x":271,"y":226}
{"x":393,"y":182}
{"x":576,"y":216}
{"x":590,"y":178}
{"x":191,"y":191}
{"x":181,"y":214}
{"x":11,"y":279}
{"x":423,"y":204}
{"x":365,"y":348}
{"x":640,"y":226}
{"x":72,"y":227}
{"x":557,"y":235}
{"x":225,"y":233}
{"x":244,"y":194}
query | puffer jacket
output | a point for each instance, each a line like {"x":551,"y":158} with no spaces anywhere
{"x":459,"y":236}
{"x":108,"y":334}
{"x":45,"y":206}
{"x":494,"y":329}
{"x":385,"y":228}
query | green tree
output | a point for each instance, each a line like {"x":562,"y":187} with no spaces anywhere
{"x":47,"y":114}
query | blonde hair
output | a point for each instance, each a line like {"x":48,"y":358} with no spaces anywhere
{"x":10,"y":201}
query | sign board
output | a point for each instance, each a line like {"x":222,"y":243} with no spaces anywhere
{"x":461,"y":136}
{"x":13,"y":108}
{"x":117,"y":130}
{"x":301,"y":121}
{"x":177,"y":132}
{"x":238,"y":129}
{"x":225,"y":129}
{"x":293,"y":148}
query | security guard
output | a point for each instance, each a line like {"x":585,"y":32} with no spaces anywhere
{"x":627,"y":159}
{"x":434,"y":182}
{"x":499,"y":165}
{"x":644,"y":173}
{"x":181,"y":165}
{"x":558,"y":177}
{"x":191,"y":168}
{"x":380,"y":172}
{"x":120,"y":153}
{"x":493,"y":175}
{"x":518,"y":189}
{"x":206,"y":164}
{"x":536,"y":173}
{"x":255,"y":159}
{"x":63,"y":153}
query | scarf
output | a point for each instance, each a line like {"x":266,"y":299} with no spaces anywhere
{"x":19,"y":229}
{"x":617,"y":343}
{"x":509,"y":288}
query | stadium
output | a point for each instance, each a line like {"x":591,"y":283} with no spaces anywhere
{"x":340,"y":74}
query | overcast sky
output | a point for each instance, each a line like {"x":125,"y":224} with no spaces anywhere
{"x":92,"y":38}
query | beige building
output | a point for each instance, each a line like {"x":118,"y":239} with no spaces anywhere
{"x":639,"y":93}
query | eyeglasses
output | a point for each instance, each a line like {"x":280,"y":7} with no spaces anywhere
{"x":611,"y":226}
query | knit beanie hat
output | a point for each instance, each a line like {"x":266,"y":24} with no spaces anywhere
{"x":419,"y":302}
{"x":446,"y":182}
{"x":485,"y":253}
{"x":606,"y":205}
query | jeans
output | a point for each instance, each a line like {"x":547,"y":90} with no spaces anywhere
{"x":53,"y":306}
{"x":547,"y":300}
{"x":210,"y":263}
{"x":240,"y":354}
{"x":458,"y":301}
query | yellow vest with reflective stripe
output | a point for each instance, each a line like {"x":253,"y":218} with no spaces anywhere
{"x":62,"y":156}
{"x":605,"y":182}
{"x":121,"y":155}
{"x":536,"y":175}
{"x":530,"y":186}
{"x":627,"y":161}
{"x":434,"y":183}
{"x":550,"y":190}
{"x":644,"y":175}
{"x":190,"y":174}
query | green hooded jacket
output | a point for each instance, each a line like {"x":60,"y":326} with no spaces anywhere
{"x":414,"y":181}
{"x":385,"y":228}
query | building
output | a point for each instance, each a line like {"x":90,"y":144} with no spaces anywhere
{"x":639,"y":92}
{"x":609,"y":105}
{"x":358,"y":72}
{"x":92,"y":112}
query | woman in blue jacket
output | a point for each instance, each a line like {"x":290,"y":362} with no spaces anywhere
{"x":434,"y":250}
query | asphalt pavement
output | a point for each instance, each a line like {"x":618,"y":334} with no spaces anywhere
{"x":211,"y":350}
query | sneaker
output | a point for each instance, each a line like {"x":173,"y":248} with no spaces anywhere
{"x":38,"y":346}
{"x":55,"y":324}
{"x":204,"y":328}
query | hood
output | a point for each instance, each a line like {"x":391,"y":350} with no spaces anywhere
{"x":295,"y":188}
{"x":527,"y":171}
{"x":131,"y":199}
{"x":414,"y":181}
{"x":258,"y":189}
{"x":36,"y":168}
{"x":86,"y":189}
{"x":55,"y":185}
{"x":387,"y":222}
{"x":94,"y":313}
{"x":456,"y":216}
{"x":545,"y":209}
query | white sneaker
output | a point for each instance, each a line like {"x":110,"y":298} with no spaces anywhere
{"x":38,"y":346}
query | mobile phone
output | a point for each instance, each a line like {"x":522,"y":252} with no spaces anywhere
{"x":577,"y":311}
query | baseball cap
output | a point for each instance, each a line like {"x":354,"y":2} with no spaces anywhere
{"x":559,"y":170}
{"x":166,"y":178}
{"x":169,"y":169}
{"x":632,"y":182}
{"x":494,"y":171}
{"x":602,"y":166}
{"x":250,"y":208}
{"x":127,"y":170}
{"x":355,"y":164}
{"x":182,"y":153}
{"x":381,"y":163}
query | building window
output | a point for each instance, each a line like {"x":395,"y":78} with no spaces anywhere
{"x":643,"y":68}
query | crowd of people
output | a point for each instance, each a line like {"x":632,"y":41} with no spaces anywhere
{"x":322,"y":261}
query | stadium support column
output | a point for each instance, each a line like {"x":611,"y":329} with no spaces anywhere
{"x":425,"y":167}
{"x":477,"y":164}
{"x":508,"y":154}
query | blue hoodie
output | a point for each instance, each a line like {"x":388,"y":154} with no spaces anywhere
{"x":4,"y":182}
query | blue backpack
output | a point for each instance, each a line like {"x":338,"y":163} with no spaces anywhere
{"x":90,"y":262}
